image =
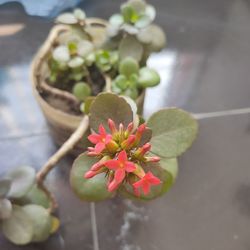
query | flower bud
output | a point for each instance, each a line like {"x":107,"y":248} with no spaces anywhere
{"x":153,"y":159}
{"x":128,"y":143}
{"x":112,"y":146}
{"x":112,"y":126}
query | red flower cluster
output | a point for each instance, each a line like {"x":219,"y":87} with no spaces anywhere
{"x":122,"y":157}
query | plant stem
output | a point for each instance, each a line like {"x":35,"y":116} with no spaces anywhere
{"x":61,"y":152}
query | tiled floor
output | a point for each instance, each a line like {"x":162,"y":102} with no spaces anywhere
{"x":205,"y":68}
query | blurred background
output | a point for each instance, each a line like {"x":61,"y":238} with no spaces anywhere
{"x":204,"y":68}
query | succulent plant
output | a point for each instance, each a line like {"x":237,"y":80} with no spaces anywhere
{"x":135,"y":160}
{"x":134,"y":32}
{"x":132,"y":79}
{"x":24,"y":213}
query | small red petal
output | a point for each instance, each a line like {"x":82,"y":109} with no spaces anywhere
{"x":122,"y":157}
{"x":130,"y":166}
{"x":113,"y":185}
{"x":94,"y":138}
{"x":119,"y":175}
{"x":112,"y":164}
{"x":89,"y":174}
{"x":146,"y":188}
{"x":102,"y":130}
{"x":99,"y":147}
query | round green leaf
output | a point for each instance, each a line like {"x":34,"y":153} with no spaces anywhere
{"x":5,"y":209}
{"x":22,"y":179}
{"x":94,"y":189}
{"x":84,"y":48}
{"x":19,"y":227}
{"x":128,"y":13}
{"x":130,"y":47}
{"x":79,"y":14}
{"x":121,"y":82}
{"x":130,"y":29}
{"x":41,"y":221}
{"x":36,"y":196}
{"x":174,"y":131}
{"x":116,"y":20}
{"x":166,"y":170}
{"x":61,"y":54}
{"x":66,"y":18}
{"x":150,"y":12}
{"x":108,"y":105}
{"x":158,"y":41}
{"x":76,"y":62}
{"x":128,"y":66}
{"x":138,"y":5}
{"x":143,"y":21}
{"x":131,"y":92}
{"x":81,"y":90}
{"x":4,"y":187}
{"x":148,"y":78}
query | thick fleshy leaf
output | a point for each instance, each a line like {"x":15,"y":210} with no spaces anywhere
{"x":138,"y":5}
{"x":87,"y":104}
{"x":148,"y":78}
{"x":130,"y":29}
{"x":128,"y":12}
{"x":128,"y":66}
{"x":109,"y":106}
{"x":150,"y":12}
{"x":55,"y":224}
{"x":22,"y":179}
{"x":130,"y":47}
{"x":76,"y":62}
{"x":41,"y":221}
{"x":4,"y":187}
{"x":81,"y":91}
{"x":61,"y":54}
{"x":94,"y":189}
{"x":35,"y":196}
{"x":158,"y":41}
{"x":19,"y":227}
{"x":174,"y":131}
{"x":166,"y":170}
{"x":116,"y":20}
{"x":5,"y":209}
{"x":143,"y":21}
{"x":67,"y":18}
{"x":84,"y":48}
{"x":79,"y":14}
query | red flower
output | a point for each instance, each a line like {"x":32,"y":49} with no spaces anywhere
{"x":101,"y":140}
{"x":146,"y":182}
{"x":120,"y":166}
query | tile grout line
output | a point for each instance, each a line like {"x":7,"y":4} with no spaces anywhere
{"x":94,"y":226}
{"x":200,"y":116}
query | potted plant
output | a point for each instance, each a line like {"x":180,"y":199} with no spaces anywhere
{"x":127,"y":158}
{"x":86,"y":56}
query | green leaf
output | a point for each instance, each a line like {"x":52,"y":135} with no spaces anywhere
{"x":128,"y":66}
{"x":19,"y":227}
{"x":116,"y":20}
{"x":41,"y":221}
{"x":81,"y":91}
{"x":146,"y":136}
{"x":148,"y":78}
{"x":130,"y":47}
{"x":61,"y":54}
{"x":143,"y":21}
{"x":138,"y":5}
{"x":121,"y":82}
{"x":108,"y":105}
{"x":174,"y":131}
{"x":5,"y":209}
{"x":84,"y":48}
{"x":128,"y":13}
{"x":76,"y":62}
{"x":4,"y":187}
{"x":150,"y":12}
{"x":130,"y":29}
{"x":36,"y":196}
{"x":158,"y":41}
{"x":94,"y":189}
{"x":79,"y":14}
{"x":66,"y":18}
{"x":166,"y":170}
{"x":87,"y":104}
{"x":22,"y":179}
{"x":131,"y":92}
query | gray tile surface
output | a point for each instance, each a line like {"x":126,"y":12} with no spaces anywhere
{"x":205,"y":68}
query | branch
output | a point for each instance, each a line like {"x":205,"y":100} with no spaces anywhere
{"x":54,"y":159}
